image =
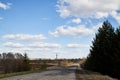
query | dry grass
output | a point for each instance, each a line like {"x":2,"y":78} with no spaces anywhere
{"x":87,"y":75}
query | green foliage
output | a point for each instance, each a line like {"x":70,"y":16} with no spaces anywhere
{"x":104,"y":54}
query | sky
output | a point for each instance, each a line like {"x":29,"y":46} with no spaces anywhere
{"x":44,"y":28}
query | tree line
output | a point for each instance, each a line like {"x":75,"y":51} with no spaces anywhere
{"x":10,"y":62}
{"x":104,"y":54}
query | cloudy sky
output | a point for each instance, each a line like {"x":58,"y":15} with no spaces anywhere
{"x":44,"y":28}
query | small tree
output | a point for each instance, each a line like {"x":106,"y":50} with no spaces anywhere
{"x":26,"y":65}
{"x":19,"y":62}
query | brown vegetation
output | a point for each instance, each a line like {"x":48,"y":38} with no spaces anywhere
{"x":10,"y":62}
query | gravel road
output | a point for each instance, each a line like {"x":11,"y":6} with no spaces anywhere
{"x":62,"y":74}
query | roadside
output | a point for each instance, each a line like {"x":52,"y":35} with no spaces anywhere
{"x":88,"y":75}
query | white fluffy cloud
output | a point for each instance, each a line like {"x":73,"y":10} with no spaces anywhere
{"x":72,"y":31}
{"x":77,"y":20}
{"x":77,"y":45}
{"x":116,"y":16}
{"x":36,"y":46}
{"x":24,"y":37}
{"x":87,"y":8}
{"x":13,"y":45}
{"x":4,"y":6}
{"x":73,"y":45}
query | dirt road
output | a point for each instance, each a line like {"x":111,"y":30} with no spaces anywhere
{"x":62,"y":74}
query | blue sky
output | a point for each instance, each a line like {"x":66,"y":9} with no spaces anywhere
{"x":43,"y":28}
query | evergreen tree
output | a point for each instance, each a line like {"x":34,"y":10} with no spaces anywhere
{"x":102,"y":51}
{"x":117,"y":55}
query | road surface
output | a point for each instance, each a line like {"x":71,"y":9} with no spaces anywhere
{"x":61,"y":74}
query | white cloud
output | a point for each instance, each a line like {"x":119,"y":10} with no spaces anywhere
{"x":5,"y":6}
{"x":44,"y":45}
{"x":77,"y":20}
{"x":87,"y":8}
{"x":72,"y":31}
{"x":13,"y":45}
{"x":36,"y":46}
{"x":24,"y":37}
{"x":77,"y":45}
{"x":99,"y":15}
{"x":73,"y":45}
{"x":116,"y":15}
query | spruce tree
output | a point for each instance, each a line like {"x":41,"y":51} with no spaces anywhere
{"x":117,"y":53}
{"x":100,"y":57}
